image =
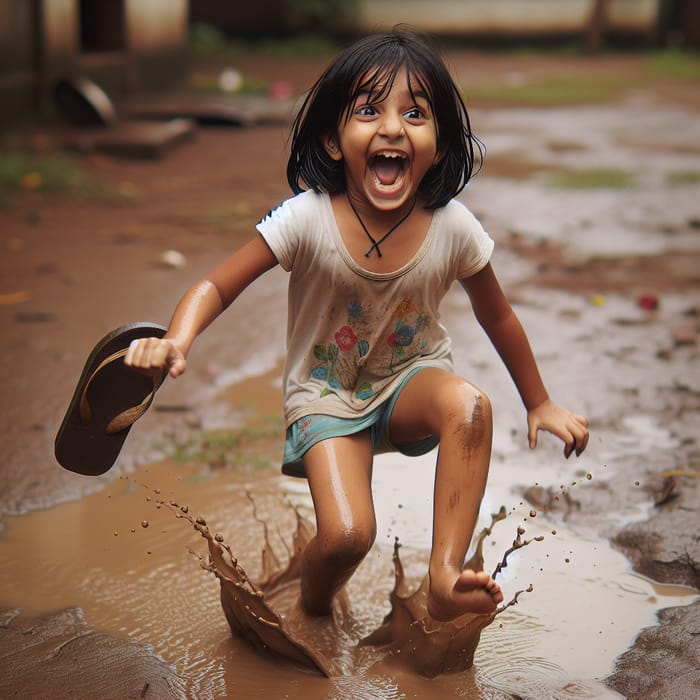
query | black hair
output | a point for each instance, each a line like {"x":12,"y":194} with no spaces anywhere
{"x":378,"y":58}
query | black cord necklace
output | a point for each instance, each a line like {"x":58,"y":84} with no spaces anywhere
{"x":375,"y":243}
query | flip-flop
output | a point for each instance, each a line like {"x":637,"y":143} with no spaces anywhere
{"x":108,"y":399}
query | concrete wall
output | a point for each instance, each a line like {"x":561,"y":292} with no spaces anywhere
{"x":156,"y":25}
{"x":130,"y":45}
{"x":504,"y":17}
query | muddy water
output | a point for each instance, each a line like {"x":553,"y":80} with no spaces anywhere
{"x":134,"y":568}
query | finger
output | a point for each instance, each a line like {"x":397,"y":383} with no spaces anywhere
{"x":532,"y":438}
{"x":579,"y":432}
{"x":177,"y":367}
{"x":146,"y":355}
{"x":158,"y":355}
{"x":582,"y":442}
{"x":134,"y":352}
{"x":569,"y":447}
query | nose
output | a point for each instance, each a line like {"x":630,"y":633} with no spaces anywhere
{"x":391,"y":125}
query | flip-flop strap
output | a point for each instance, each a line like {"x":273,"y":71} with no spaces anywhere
{"x":128,"y":416}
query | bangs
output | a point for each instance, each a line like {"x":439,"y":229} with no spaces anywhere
{"x":380,"y":75}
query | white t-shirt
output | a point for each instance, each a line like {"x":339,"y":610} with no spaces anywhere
{"x":352,"y":334}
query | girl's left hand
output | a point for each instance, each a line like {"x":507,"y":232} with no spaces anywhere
{"x":571,"y":428}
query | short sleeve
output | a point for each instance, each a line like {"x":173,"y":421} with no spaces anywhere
{"x":281,"y":228}
{"x":472,"y":246}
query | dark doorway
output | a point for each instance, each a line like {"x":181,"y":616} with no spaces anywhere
{"x":101,"y":25}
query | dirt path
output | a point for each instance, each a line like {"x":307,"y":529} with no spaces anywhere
{"x":577,"y":263}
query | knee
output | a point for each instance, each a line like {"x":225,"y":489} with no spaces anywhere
{"x":346,"y":547}
{"x":464,"y":404}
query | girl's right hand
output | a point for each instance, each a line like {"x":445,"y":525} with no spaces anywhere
{"x":153,"y":355}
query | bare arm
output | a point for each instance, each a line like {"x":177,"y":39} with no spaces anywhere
{"x":199,"y":306}
{"x":498,"y":319}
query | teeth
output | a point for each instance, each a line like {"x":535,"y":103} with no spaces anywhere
{"x":390,"y":154}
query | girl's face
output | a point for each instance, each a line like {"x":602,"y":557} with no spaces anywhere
{"x":387,"y":144}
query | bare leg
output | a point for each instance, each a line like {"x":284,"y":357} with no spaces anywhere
{"x":435,"y":402}
{"x":339,"y":471}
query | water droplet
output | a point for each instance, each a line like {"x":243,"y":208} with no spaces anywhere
{"x":589,"y":476}
{"x":144,"y":523}
{"x":533,"y":513}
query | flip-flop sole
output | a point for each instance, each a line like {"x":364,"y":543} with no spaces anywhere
{"x":86,"y":447}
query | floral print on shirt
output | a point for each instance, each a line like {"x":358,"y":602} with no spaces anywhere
{"x":340,"y":360}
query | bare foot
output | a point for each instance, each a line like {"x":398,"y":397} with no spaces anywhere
{"x":453,"y":593}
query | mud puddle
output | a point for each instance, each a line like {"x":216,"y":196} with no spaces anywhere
{"x":127,"y":562}
{"x":133,"y":568}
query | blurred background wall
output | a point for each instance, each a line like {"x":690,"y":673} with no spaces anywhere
{"x":137,"y":45}
{"x":124,"y":45}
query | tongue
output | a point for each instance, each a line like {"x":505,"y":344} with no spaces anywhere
{"x":387,"y":170}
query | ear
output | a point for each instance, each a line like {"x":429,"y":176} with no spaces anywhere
{"x":330,"y":143}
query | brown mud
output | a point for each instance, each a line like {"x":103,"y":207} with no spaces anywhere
{"x":265,"y":612}
{"x":101,"y":594}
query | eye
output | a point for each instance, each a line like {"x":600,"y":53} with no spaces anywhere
{"x":366,"y":110}
{"x":415,"y":114}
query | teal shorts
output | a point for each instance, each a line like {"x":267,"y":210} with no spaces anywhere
{"x":309,"y":430}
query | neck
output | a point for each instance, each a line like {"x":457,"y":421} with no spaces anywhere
{"x":403,"y":213}
{"x":379,"y":218}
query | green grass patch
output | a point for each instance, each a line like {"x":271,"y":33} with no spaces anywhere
{"x":55,"y":173}
{"x":208,"y":42}
{"x":227,"y":218}
{"x":676,"y":65}
{"x":566,"y":146}
{"x":245,"y":447}
{"x":303,"y":46}
{"x":683,"y":177}
{"x":553,"y":91}
{"x":594,"y":178}
{"x":515,"y":165}
{"x":581,"y":88}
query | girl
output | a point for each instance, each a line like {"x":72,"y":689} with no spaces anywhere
{"x":373,"y":239}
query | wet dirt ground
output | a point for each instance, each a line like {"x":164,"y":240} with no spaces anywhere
{"x":100,"y":594}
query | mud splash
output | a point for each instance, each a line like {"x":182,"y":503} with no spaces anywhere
{"x":122,"y":558}
{"x":264,"y":611}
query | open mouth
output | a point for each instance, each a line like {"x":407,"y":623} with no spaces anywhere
{"x":388,"y":167}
